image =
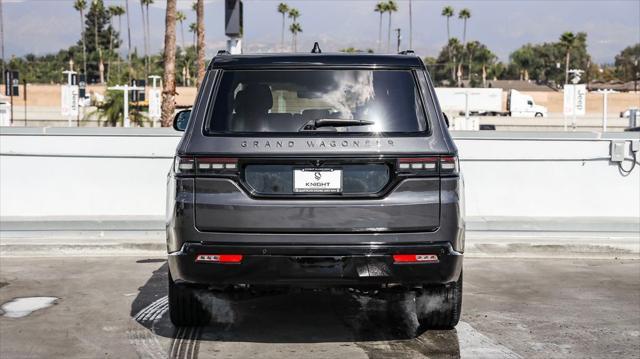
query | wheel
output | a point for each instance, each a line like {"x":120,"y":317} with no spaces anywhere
{"x":439,"y":307}
{"x":185,"y":309}
{"x":538,"y":114}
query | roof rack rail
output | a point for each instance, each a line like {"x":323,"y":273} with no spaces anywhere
{"x":222,"y":52}
{"x":407,"y":52}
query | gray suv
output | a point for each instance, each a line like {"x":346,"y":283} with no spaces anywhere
{"x":316,"y":171}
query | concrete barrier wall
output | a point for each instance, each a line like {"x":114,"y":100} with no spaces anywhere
{"x":104,"y":173}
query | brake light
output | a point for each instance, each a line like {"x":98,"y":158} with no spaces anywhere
{"x":219,"y":258}
{"x":415,"y":258}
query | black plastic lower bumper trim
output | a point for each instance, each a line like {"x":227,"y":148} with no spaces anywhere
{"x":315,"y":265}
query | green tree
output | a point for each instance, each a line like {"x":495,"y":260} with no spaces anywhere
{"x":112,"y":11}
{"x":628,"y":64}
{"x":448,"y":12}
{"x":481,"y":59}
{"x":145,"y":41}
{"x":111,"y":111}
{"x":353,"y":50}
{"x":147,"y":30}
{"x":294,"y":14}
{"x":464,"y":14}
{"x":80,"y":6}
{"x":193,"y":28}
{"x":97,"y":27}
{"x":283,"y":9}
{"x":542,"y":62}
{"x":380,"y":8}
{"x":181,"y":17}
{"x":444,"y":64}
{"x":391,"y":7}
{"x":130,"y":72}
{"x":567,"y":42}
{"x":295,"y":28}
{"x":525,"y":58}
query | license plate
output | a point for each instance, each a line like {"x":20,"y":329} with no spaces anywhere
{"x":317,"y":180}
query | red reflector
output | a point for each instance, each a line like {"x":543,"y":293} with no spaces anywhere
{"x":219,"y":258}
{"x":415,"y":258}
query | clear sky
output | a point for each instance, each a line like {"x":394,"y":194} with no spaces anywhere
{"x":43,"y":26}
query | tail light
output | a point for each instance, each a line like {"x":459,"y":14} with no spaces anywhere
{"x":219,"y":258}
{"x":429,"y":165}
{"x":205,"y":165}
{"x":184,"y":165}
{"x":449,"y":165}
{"x":415,"y":258}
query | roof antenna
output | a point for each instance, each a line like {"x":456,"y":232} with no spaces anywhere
{"x":316,"y":48}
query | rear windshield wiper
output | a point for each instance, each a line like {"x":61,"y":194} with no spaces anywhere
{"x":334,"y":122}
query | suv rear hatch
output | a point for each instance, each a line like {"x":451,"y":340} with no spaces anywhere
{"x":327,"y":190}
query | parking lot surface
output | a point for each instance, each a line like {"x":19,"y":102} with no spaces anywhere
{"x":116,"y":307}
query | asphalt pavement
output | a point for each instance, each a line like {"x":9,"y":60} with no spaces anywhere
{"x":116,"y":307}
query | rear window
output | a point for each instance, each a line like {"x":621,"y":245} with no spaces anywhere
{"x":307,"y":101}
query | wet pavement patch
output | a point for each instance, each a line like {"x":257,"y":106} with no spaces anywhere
{"x":21,"y":307}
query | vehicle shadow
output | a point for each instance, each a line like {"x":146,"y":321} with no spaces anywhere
{"x":305,"y":317}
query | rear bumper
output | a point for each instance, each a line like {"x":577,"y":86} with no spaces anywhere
{"x":316,"y":266}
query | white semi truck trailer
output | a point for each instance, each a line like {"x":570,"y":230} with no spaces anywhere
{"x":488,"y":102}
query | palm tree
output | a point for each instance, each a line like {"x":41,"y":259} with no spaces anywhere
{"x":144,"y":36}
{"x":111,"y":111}
{"x":448,"y":12}
{"x":148,"y":31}
{"x":169,"y":57}
{"x":111,"y":12}
{"x":201,"y":45}
{"x":282,"y":9}
{"x":294,"y":14}
{"x":181,"y":17}
{"x":98,"y":3}
{"x":464,"y":14}
{"x":126,"y":4}
{"x":380,"y":8}
{"x":194,"y":29}
{"x":116,"y":11}
{"x":295,"y":28}
{"x":391,"y":8}
{"x":80,"y":5}
{"x":568,"y":41}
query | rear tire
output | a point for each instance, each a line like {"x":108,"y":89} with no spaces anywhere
{"x":185,"y":309}
{"x":538,"y":114}
{"x":439,"y":307}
